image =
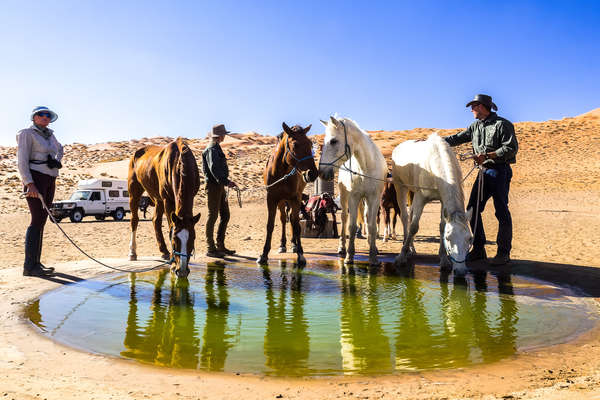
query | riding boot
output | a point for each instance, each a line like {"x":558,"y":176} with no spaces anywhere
{"x":39,"y":255}
{"x":221,"y":247}
{"x":32,"y":246}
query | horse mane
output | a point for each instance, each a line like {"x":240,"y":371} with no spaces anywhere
{"x":186,"y":164}
{"x":443,"y":159}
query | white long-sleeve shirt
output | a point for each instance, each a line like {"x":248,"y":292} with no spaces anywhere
{"x":32,"y":144}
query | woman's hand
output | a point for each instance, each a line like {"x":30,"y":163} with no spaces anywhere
{"x":32,"y":191}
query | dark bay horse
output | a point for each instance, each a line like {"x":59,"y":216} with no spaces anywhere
{"x":170,"y":176}
{"x":285,"y":176}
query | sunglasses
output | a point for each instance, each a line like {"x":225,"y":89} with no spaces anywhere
{"x":44,"y":114}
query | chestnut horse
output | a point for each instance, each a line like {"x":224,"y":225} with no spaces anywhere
{"x":170,"y":176}
{"x":285,"y":182}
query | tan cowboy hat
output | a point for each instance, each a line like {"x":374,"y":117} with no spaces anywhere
{"x":218,"y":130}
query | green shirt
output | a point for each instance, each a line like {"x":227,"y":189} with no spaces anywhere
{"x":492,"y":134}
{"x":214,"y":164}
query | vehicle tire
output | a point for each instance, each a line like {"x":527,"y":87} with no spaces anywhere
{"x":119,"y":214}
{"x":100,"y":217}
{"x":77,"y":215}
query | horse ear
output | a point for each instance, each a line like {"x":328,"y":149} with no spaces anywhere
{"x":287,"y":129}
{"x":469,"y":214}
{"x":196,"y":219}
{"x":324,"y":123}
{"x":334,"y":121}
{"x":307,"y":129}
{"x":174,"y":217}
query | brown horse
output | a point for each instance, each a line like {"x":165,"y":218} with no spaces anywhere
{"x":170,"y":176}
{"x":285,"y":181}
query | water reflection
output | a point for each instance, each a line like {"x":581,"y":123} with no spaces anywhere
{"x":365,"y":347}
{"x":286,"y":342}
{"x":169,"y":337}
{"x":287,"y":321}
{"x":217,"y":340}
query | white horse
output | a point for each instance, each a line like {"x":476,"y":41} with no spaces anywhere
{"x":361,"y":176}
{"x":430,"y":170}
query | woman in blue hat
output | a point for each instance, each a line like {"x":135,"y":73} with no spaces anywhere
{"x":39,"y":155}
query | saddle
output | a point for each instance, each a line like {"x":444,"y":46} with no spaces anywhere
{"x":316,"y":209}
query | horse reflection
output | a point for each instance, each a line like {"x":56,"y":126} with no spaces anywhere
{"x":286,"y":343}
{"x":170,"y":337}
{"x":365,"y":347}
{"x":217,"y":340}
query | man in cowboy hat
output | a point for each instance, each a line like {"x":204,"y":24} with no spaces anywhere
{"x":495,"y":147}
{"x":216,"y":174}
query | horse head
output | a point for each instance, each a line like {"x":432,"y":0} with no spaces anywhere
{"x":457,"y":239}
{"x":299,"y":151}
{"x":183,"y":236}
{"x":336,"y":147}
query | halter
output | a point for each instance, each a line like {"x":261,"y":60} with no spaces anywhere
{"x":294,"y":169}
{"x":348,"y":155}
{"x":347,"y":151}
{"x":177,"y":253}
{"x":443,"y":238}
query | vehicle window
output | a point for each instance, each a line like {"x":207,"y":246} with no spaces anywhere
{"x":113,"y":193}
{"x":95,"y":196}
{"x":125,"y":193}
{"x":80,"y":195}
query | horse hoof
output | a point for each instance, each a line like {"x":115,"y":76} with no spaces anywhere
{"x":262,"y":260}
{"x":133,"y":257}
{"x":301,"y":260}
{"x":349,"y":260}
{"x":282,"y":249}
{"x":341,"y":251}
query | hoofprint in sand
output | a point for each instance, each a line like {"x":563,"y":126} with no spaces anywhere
{"x":554,"y":202}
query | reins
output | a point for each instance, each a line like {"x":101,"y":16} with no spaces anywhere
{"x":100,"y":262}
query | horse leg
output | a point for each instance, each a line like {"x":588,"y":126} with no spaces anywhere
{"x":157,"y":222}
{"x":272,"y":208}
{"x":344,"y":205}
{"x":353,"y":203}
{"x":283,"y":218}
{"x":372,"y":207}
{"x":415,"y":214}
{"x":135,"y":194}
{"x":295,"y":221}
{"x":444,"y":261}
{"x":394,"y":220}
{"x":335,"y":230}
{"x":386,"y":224}
{"x":169,"y":209}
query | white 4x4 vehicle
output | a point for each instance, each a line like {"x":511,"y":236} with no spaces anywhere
{"x":97,"y":197}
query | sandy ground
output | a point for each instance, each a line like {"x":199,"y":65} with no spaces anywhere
{"x":556,"y":213}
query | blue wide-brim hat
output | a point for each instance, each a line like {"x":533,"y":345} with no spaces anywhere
{"x":44,"y":109}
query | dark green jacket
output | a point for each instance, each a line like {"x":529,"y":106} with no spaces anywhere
{"x":492,"y":134}
{"x":214,"y":164}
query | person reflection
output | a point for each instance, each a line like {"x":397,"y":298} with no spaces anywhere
{"x":509,"y":316}
{"x":217,"y":341}
{"x":364,"y":345}
{"x":287,"y":342}
{"x":170,"y":337}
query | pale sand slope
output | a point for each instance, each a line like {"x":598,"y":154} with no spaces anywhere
{"x":554,"y":201}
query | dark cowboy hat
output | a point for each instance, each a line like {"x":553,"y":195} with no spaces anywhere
{"x":485,"y":100}
{"x":218,"y":130}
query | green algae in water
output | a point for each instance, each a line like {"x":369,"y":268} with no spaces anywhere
{"x":322,"y":320}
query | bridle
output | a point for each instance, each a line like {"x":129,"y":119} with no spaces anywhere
{"x":348,"y":154}
{"x":178,"y":253}
{"x":294,"y":169}
{"x":443,"y":238}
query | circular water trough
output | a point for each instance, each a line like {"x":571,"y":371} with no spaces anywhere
{"x":324,"y":319}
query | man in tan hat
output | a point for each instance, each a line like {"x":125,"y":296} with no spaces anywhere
{"x":495,"y":147}
{"x":216,"y":173}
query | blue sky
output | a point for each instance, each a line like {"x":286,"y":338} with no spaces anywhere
{"x":115,"y":70}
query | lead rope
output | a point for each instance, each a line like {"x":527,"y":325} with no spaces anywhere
{"x":92,"y":258}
